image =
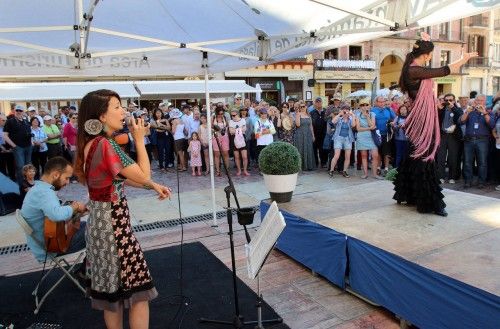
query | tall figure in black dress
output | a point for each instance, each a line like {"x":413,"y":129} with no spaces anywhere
{"x":417,"y":181}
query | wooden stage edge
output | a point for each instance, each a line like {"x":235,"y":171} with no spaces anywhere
{"x":464,"y":246}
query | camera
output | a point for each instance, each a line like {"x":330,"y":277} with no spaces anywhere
{"x":223,"y":131}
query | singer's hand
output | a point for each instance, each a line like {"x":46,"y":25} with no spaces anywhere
{"x":137,"y":129}
{"x":163,"y":191}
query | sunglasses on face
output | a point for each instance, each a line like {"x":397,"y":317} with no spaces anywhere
{"x":302,"y":106}
{"x":449,"y":100}
{"x":19,"y":110}
{"x":363,"y":104}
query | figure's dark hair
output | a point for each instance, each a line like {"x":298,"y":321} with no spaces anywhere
{"x":156,"y":111}
{"x":33,"y":119}
{"x":420,"y":48}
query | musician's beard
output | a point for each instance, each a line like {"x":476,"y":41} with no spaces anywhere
{"x":58,"y":184}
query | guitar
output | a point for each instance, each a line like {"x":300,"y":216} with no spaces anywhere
{"x":58,"y":235}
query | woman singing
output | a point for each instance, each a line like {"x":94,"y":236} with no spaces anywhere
{"x":417,"y":182}
{"x":118,"y":273}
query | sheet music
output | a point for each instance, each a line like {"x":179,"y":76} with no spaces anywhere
{"x":264,"y":240}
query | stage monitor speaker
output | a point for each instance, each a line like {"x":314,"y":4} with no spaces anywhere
{"x":9,"y":196}
{"x":311,"y":82}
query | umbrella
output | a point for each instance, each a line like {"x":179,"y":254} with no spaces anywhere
{"x":360,"y":94}
{"x":386,"y":91}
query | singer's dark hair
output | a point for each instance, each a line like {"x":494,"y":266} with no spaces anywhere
{"x":420,"y":48}
{"x":93,"y":106}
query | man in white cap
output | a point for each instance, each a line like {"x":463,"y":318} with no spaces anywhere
{"x":237,"y":102}
{"x":17,"y":134}
{"x":54,"y":137}
{"x":132,"y":107}
{"x":32,"y":113}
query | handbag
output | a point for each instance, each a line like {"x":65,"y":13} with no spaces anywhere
{"x":377,"y":139}
{"x":239,"y":139}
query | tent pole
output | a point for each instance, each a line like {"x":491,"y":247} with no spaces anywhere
{"x":210,"y":136}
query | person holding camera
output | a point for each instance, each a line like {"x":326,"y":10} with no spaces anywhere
{"x":39,"y":150}
{"x":451,"y":139}
{"x":365,"y":123}
{"x":400,"y":138}
{"x":343,"y":138}
{"x":476,"y":140}
{"x":17,"y":134}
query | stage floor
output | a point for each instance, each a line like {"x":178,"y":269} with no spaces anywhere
{"x":464,"y":246}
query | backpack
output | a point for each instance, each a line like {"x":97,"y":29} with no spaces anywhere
{"x":239,"y":139}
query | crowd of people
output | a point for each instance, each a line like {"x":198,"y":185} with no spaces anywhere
{"x":336,"y":136}
{"x":28,"y":138}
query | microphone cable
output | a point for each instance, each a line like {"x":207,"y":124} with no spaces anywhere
{"x":184,"y":301}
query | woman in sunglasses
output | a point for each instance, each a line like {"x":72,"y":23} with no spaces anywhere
{"x":220,"y":125}
{"x":287,"y":129}
{"x":304,"y":137}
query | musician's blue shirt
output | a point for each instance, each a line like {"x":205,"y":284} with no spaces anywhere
{"x":40,"y":201}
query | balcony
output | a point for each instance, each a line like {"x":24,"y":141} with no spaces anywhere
{"x":478,"y":62}
{"x":478,"y":21}
{"x":344,"y":65}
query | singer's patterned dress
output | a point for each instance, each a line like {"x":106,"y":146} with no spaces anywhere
{"x":118,"y":271}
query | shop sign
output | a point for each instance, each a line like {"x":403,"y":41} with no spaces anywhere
{"x":445,"y":80}
{"x":296,"y":77}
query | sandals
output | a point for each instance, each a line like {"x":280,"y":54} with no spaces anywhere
{"x":331,"y":173}
{"x":345,"y":174}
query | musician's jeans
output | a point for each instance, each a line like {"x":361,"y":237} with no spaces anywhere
{"x":78,"y":240}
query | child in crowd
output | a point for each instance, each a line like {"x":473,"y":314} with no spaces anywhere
{"x":29,"y":173}
{"x":195,"y":149}
{"x":400,"y":138}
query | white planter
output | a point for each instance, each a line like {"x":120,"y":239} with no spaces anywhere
{"x":281,"y":187}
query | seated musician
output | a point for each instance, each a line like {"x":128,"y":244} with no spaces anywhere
{"x":41,"y":201}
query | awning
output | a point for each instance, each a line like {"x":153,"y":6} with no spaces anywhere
{"x":51,"y":91}
{"x":192,"y":88}
{"x":94,"y":38}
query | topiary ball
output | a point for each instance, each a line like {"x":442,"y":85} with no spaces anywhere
{"x":279,"y":158}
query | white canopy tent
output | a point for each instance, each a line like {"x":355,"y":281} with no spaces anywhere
{"x":193,"y":89}
{"x":52,"y":91}
{"x":92,"y":38}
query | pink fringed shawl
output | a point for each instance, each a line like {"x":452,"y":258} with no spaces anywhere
{"x":422,"y":124}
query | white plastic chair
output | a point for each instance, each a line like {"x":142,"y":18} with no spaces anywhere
{"x":56,"y":261}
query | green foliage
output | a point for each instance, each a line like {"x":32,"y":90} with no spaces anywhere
{"x":391,"y":174}
{"x":279,"y":158}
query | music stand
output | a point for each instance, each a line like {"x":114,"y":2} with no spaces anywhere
{"x":245,"y":217}
{"x":258,"y":249}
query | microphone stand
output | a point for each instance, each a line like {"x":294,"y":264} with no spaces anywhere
{"x":245,"y":217}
